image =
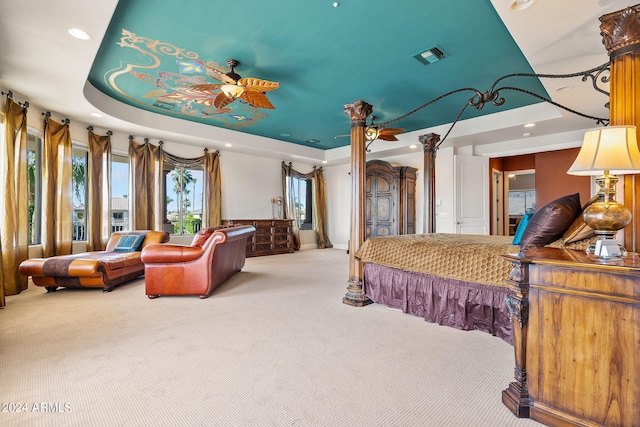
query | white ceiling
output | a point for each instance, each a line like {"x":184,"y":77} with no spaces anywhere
{"x":42,"y":64}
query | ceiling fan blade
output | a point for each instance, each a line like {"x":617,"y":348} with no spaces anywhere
{"x":204,"y":87}
{"x":219,"y":75}
{"x":257,"y":99}
{"x":221,"y":100}
{"x":387,"y":137}
{"x":257,"y":85}
{"x":391,"y":131}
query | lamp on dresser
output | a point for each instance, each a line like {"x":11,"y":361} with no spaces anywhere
{"x":607,"y":152}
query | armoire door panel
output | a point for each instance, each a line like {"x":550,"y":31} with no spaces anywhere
{"x":389,"y":199}
{"x":383,"y":211}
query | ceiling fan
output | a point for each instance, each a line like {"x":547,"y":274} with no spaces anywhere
{"x":374,"y":131}
{"x":234,"y":86}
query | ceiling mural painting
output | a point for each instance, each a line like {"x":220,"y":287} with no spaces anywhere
{"x":158,"y":56}
{"x":170,"y":76}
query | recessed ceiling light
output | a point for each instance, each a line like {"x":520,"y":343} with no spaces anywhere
{"x":529,"y":125}
{"x":563,"y":88}
{"x":324,"y":162}
{"x":413,"y":146}
{"x":526,"y":134}
{"x":336,"y":4}
{"x":96,"y":114}
{"x":518,"y":5}
{"x":285,"y":134}
{"x":228,"y":145}
{"x":313,"y":141}
{"x":79,"y":34}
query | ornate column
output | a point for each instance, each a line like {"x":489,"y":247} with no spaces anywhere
{"x":430,"y":146}
{"x":358,"y":113}
{"x":516,"y":395}
{"x":621,"y":36}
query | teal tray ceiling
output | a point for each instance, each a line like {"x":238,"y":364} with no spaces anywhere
{"x":323,"y":57}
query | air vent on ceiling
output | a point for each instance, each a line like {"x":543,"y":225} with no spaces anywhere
{"x":432,"y":55}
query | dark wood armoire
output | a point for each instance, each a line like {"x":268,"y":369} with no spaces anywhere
{"x":390,"y":199}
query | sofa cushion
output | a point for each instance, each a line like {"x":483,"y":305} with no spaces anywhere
{"x":551,"y":221}
{"x":129,"y":242}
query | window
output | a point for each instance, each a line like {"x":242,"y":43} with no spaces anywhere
{"x":521,"y":202}
{"x":119,"y":193}
{"x":303,"y":196}
{"x":79,"y":184}
{"x":183,"y":190}
{"x":34,"y":178}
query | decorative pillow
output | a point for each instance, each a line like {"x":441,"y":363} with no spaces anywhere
{"x":579,"y":230}
{"x":202,"y":236}
{"x":517,"y":238}
{"x":129,"y":242}
{"x":550,"y":221}
{"x":580,"y":245}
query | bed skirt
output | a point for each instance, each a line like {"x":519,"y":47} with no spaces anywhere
{"x":448,"y":302}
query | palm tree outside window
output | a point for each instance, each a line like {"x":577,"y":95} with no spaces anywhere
{"x":184,"y":198}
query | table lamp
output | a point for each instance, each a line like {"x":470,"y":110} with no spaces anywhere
{"x":607,"y":152}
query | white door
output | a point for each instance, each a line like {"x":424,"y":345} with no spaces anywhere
{"x":472,"y":194}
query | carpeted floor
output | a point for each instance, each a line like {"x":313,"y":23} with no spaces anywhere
{"x":274,"y":346}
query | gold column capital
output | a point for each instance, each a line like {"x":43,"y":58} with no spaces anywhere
{"x":620,"y":31}
{"x":358,"y":112}
{"x":429,"y":142}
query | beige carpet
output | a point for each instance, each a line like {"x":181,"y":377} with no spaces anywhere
{"x":275,"y":346}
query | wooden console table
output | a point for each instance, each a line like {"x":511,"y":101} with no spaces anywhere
{"x":272,"y":236}
{"x":576,"y":339}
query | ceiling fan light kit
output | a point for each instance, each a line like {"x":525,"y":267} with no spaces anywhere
{"x":249,"y":89}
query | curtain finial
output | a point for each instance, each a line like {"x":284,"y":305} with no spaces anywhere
{"x":160,"y":143}
{"x":47,"y":114}
{"x":8,"y":93}
{"x":90,"y":128}
{"x":109,"y":133}
{"x":66,"y":121}
{"x":146,"y":140}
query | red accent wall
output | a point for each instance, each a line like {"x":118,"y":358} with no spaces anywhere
{"x":552,"y":180}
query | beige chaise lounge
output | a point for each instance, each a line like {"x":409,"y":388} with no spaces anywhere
{"x":119,"y":263}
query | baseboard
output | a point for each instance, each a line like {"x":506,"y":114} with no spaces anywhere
{"x":308,"y":246}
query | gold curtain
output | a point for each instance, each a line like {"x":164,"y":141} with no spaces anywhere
{"x":57,"y":196}
{"x":147,"y":201}
{"x":14,"y":234}
{"x":288,"y":173}
{"x":212,"y":207}
{"x":320,"y":210}
{"x":99,"y":191}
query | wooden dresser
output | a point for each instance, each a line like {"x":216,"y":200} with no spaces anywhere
{"x":577,"y":339}
{"x":272,"y":236}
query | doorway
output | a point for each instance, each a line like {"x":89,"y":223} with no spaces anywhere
{"x":520,"y":191}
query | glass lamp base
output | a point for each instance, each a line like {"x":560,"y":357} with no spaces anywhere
{"x":606,"y":250}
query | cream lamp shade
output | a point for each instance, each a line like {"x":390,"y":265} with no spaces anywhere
{"x":613,"y":149}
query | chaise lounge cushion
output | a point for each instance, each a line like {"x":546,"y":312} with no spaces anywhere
{"x":105,"y":269}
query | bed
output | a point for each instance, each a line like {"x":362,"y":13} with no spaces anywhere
{"x":459,"y":280}
{"x":454,"y":280}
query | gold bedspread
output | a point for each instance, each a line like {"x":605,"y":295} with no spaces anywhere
{"x":472,"y":258}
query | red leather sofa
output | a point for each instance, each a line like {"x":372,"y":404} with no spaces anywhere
{"x":215,"y":255}
{"x":117,"y":264}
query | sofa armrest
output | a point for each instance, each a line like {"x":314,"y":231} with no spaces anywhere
{"x":159,"y":254}
{"x":238,"y":232}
